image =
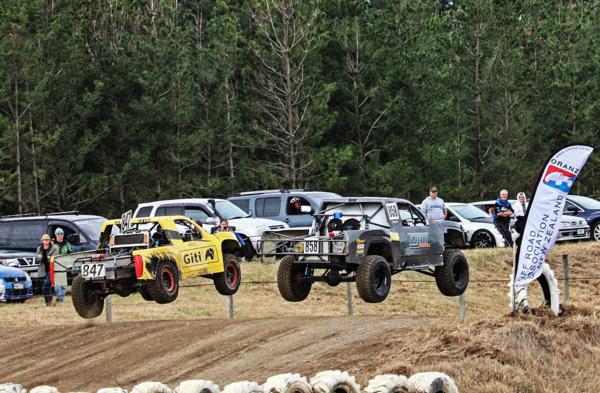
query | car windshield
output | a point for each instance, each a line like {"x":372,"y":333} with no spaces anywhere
{"x":470,"y":212}
{"x":91,"y":227}
{"x":228,"y":211}
{"x":585,"y":202}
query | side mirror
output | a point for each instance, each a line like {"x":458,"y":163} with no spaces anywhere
{"x":305,"y":209}
{"x":212,"y":221}
{"x":73,"y":238}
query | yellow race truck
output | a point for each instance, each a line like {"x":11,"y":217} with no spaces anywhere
{"x":149,"y":256}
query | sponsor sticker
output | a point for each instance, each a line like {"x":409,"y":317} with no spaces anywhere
{"x":559,"y":178}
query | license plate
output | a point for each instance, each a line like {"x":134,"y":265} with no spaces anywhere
{"x":18,"y":285}
{"x":311,"y":246}
{"x":580,"y":231}
{"x":93,"y":270}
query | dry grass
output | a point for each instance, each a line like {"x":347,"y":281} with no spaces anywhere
{"x":492,"y":351}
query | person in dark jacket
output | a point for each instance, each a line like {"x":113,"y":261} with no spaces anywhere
{"x":64,"y":247}
{"x":501,"y":212}
{"x":44,"y":252}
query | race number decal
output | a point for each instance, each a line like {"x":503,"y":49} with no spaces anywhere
{"x":311,"y":246}
{"x":393,"y":212}
{"x":93,"y":270}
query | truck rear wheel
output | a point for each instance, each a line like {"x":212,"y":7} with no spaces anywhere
{"x":373,"y":279}
{"x":145,"y":294}
{"x":165,"y":286}
{"x":228,"y":282}
{"x":452,"y":278}
{"x":87,"y":303}
{"x":291,"y":281}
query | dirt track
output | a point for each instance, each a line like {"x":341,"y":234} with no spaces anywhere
{"x":89,"y":356}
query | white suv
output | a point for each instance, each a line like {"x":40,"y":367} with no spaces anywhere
{"x":210,"y":212}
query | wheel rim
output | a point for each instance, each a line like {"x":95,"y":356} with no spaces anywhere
{"x":458,"y":272}
{"x":597,"y":233}
{"x":483,"y":240}
{"x":231,"y":275}
{"x":168,"y":280}
{"x":380,"y":279}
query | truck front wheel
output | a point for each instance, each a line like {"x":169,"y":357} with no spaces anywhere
{"x":228,"y":282}
{"x":165,"y":286}
{"x":452,"y":277}
{"x":291,"y":281}
{"x":86,"y":301}
{"x":373,"y":279}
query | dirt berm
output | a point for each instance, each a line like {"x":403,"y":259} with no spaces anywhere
{"x":89,"y":356}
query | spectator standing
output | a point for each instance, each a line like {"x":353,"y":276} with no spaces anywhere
{"x":64,"y":247}
{"x":501,"y":212}
{"x":433,"y":207}
{"x":44,"y":252}
{"x":520,"y":208}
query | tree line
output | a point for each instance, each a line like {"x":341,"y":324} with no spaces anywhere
{"x":107,"y":103}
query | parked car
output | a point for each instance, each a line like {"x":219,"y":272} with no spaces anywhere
{"x":570,"y":228}
{"x":15,"y":285}
{"x":586,"y":208}
{"x":210,"y":212}
{"x":366,"y":240}
{"x":276,"y":205}
{"x":478,"y":225}
{"x":20,"y":237}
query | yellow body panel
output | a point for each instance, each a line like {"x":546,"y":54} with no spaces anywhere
{"x":193,"y":258}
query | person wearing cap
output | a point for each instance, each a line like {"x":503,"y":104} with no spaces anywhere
{"x":64,"y":247}
{"x":44,"y":252}
{"x":295,"y":206}
{"x":433,"y":207}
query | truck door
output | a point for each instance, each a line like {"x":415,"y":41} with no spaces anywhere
{"x":197,"y":256}
{"x":420,"y":244}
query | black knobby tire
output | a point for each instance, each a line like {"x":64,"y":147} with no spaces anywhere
{"x":145,"y":294}
{"x":482,"y":239}
{"x":228,"y":282}
{"x":165,"y":286}
{"x":595,"y":235}
{"x":86,"y":301}
{"x":373,"y":279}
{"x":452,"y":278}
{"x":291,"y":280}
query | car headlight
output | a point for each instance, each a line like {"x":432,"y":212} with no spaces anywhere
{"x":12,"y":262}
{"x":27,"y":278}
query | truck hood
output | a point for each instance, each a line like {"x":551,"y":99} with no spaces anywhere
{"x":256,"y":226}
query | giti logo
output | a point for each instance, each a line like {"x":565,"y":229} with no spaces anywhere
{"x":210,"y":253}
{"x":559,"y":178}
{"x":194,"y":257}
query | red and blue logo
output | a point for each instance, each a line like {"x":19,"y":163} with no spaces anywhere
{"x":559,"y":178}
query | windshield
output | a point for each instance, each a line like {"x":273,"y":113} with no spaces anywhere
{"x":91,"y":227}
{"x":228,"y":211}
{"x":470,"y":212}
{"x":585,"y":202}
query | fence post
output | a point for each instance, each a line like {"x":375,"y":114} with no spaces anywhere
{"x":349,"y":297}
{"x":230,"y":307}
{"x":566,"y":273}
{"x":462,"y":309}
{"x":108,"y":307}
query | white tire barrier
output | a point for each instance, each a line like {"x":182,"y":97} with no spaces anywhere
{"x":334,"y":381}
{"x":12,"y":388}
{"x":111,"y":390}
{"x":44,"y":389}
{"x":151,"y":387}
{"x":550,"y":290}
{"x":197,"y":386}
{"x":287,"y":383}
{"x":243,"y":387}
{"x":431,"y":382}
{"x":387,"y":383}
